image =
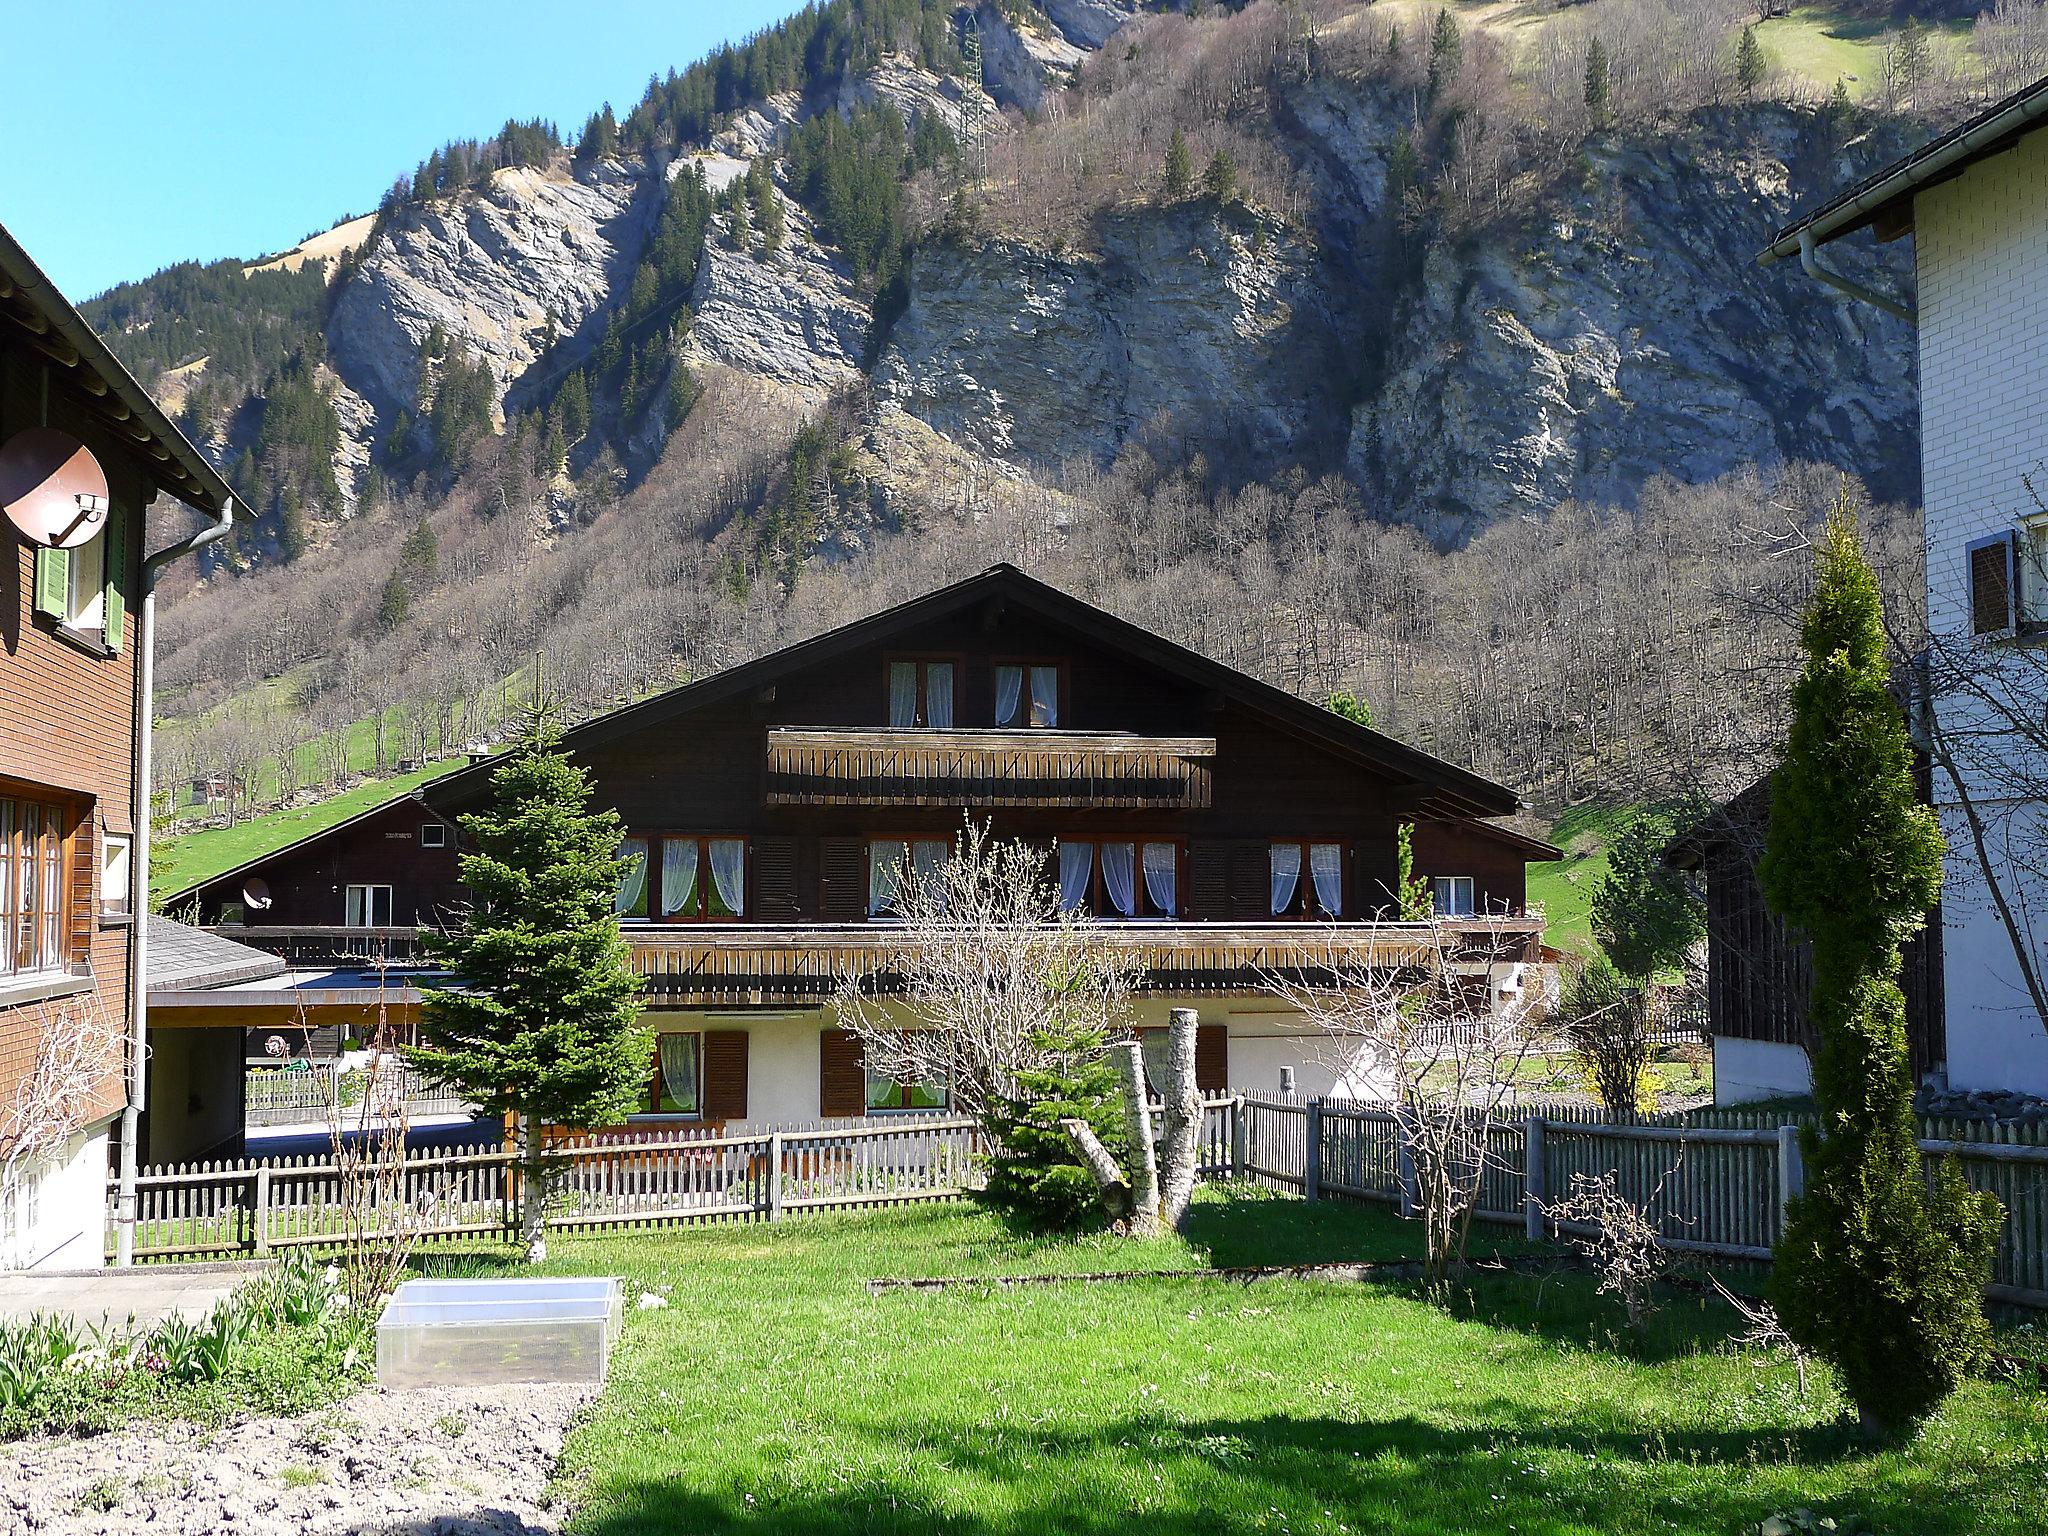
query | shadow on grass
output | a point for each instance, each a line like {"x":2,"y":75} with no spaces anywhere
{"x":1402,"y":1476}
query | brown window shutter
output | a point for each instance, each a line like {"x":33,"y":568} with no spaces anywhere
{"x":1991,"y":586}
{"x":842,"y":1080}
{"x":843,"y":879}
{"x":725,"y":1074}
{"x":1212,"y":1058}
{"x":1208,"y":880}
{"x":1251,"y":880}
{"x":775,"y":879}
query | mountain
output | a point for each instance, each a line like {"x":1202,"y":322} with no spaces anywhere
{"x":900,"y":268}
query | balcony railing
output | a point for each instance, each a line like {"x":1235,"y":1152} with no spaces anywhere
{"x":795,"y":963}
{"x":988,"y":768}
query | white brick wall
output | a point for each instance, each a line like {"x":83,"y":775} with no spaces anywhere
{"x":1981,"y":244}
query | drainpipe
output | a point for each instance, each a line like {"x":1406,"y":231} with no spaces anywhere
{"x":138,"y":877}
{"x":1810,"y":265}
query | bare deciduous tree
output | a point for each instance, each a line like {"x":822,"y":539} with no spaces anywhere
{"x":78,"y":1052}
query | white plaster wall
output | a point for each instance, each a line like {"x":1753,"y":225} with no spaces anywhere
{"x":1748,"y":1070}
{"x":1981,"y":247}
{"x":70,"y":1227}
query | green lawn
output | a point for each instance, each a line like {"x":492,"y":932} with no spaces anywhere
{"x":195,"y":856}
{"x":1566,"y":887}
{"x":774,"y":1394}
{"x":1822,"y":45}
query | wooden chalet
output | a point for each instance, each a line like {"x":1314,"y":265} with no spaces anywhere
{"x":1220,"y":829}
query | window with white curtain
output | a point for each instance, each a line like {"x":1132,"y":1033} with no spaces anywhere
{"x":1307,"y":879}
{"x":891,"y":859}
{"x":696,"y":878}
{"x":631,"y":900}
{"x":368,"y":906}
{"x":1118,"y":879}
{"x":921,"y":694}
{"x":1028,"y":694}
{"x":678,"y":1073}
{"x":1454,"y":895}
{"x":1077,"y":876}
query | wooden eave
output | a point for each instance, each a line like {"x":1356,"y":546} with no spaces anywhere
{"x":1002,"y":767}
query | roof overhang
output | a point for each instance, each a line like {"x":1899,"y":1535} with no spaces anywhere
{"x":35,"y":313}
{"x":1884,"y":201}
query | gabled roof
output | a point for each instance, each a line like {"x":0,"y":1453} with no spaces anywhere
{"x":310,"y":840}
{"x":1449,"y":791}
{"x":1885,"y":198}
{"x":33,"y":312}
{"x":191,"y":960}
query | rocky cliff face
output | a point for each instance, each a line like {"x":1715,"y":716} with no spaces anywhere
{"x":1217,"y":325}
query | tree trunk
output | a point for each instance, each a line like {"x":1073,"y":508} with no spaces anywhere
{"x":1183,"y":1140}
{"x":1116,"y":1192}
{"x":1144,"y":1157}
{"x":533,"y":1195}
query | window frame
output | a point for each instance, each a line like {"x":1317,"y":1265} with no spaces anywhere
{"x":440,"y":837}
{"x":1305,"y":888}
{"x":369,"y":902}
{"x":2009,"y":540}
{"x":2028,"y":570}
{"x":1098,"y":896}
{"x":1472,"y":907}
{"x":869,"y":1076}
{"x":703,"y":840}
{"x":116,"y":903}
{"x":923,"y":661}
{"x":55,"y":954}
{"x":909,"y":842}
{"x":654,"y":1086}
{"x":1062,"y":692}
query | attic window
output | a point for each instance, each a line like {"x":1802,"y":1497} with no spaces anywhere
{"x":1028,"y":694}
{"x":1993,"y":608}
{"x":433,"y":834}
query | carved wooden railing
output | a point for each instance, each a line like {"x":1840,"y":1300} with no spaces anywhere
{"x":988,"y":767}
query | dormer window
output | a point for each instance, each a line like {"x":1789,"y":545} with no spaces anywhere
{"x":1028,"y":695}
{"x":921,"y":693}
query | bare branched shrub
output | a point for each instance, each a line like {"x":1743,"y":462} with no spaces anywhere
{"x":1607,"y":1021}
{"x":1618,"y":1237}
{"x":77,"y":1064}
{"x":1764,"y":1332}
{"x":1432,"y":1038}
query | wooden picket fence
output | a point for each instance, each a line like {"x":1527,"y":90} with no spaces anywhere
{"x":662,"y":1177}
{"x":321,"y":1094}
{"x":1716,"y":1182}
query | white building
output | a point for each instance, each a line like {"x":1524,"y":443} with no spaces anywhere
{"x":1975,"y":201}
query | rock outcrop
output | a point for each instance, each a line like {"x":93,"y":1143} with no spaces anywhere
{"x":489,"y":267}
{"x":1216,"y":324}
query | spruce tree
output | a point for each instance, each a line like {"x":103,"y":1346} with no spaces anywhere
{"x":1179,"y":179}
{"x":740,"y":225}
{"x":1035,"y":1177}
{"x":1446,"y":51}
{"x":1219,"y":180}
{"x":1912,"y":55}
{"x":545,"y":1022}
{"x":1403,"y":166}
{"x":1841,"y":112}
{"x":1646,"y":915}
{"x":1749,"y":61}
{"x":1599,"y":90}
{"x":1876,"y":1272}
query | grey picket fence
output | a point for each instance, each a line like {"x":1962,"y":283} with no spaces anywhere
{"x":1716,"y":1183}
{"x":637,"y":1178}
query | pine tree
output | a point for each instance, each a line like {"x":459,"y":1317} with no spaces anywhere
{"x":1841,"y":112}
{"x":1599,"y":90}
{"x":1446,"y":52}
{"x":572,"y":400}
{"x":546,"y":1023}
{"x":600,"y":136}
{"x":1219,"y":180}
{"x":768,"y":203}
{"x":1403,"y":166}
{"x":1913,"y":58}
{"x":1179,"y":179}
{"x":1035,"y":1177}
{"x":739,"y":225}
{"x":1750,"y":64}
{"x":1876,"y":1272}
{"x":1646,"y":915}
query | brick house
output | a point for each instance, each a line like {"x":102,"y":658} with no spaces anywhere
{"x":74,"y":638}
{"x":1975,"y":202}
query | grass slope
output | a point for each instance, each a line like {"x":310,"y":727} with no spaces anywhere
{"x":775,"y":1395}
{"x":1821,"y":45}
{"x":196,"y":856}
{"x":1566,"y":887}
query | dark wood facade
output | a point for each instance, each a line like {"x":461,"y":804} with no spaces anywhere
{"x":1759,"y":969}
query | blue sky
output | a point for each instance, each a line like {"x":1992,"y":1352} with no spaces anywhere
{"x":142,"y":132}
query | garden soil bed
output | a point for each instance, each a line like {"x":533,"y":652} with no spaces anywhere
{"x":425,"y":1463}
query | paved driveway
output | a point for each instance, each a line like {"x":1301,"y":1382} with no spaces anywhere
{"x":148,"y":1294}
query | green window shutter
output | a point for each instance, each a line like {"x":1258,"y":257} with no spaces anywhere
{"x":116,"y":566}
{"x":53,"y":583}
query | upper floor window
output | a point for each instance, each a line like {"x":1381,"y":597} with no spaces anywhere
{"x":682,"y":878}
{"x":81,"y":587}
{"x":1454,"y":895}
{"x":921,"y":693}
{"x":1121,"y":879}
{"x":890,"y":858}
{"x":433,"y":834}
{"x":32,"y":888}
{"x":116,"y":868}
{"x":368,"y":906}
{"x":1307,"y":879}
{"x":1028,"y":694}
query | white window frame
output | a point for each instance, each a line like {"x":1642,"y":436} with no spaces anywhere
{"x":654,"y":1097}
{"x":85,"y":603}
{"x":2030,"y":575}
{"x":433,"y":834}
{"x":1470,"y":887}
{"x":117,"y":866}
{"x":368,"y":908}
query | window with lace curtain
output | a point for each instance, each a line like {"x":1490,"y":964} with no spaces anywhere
{"x":921,"y":692}
{"x":683,"y":877}
{"x":1029,"y":694}
{"x":33,"y":890}
{"x":1307,"y":879}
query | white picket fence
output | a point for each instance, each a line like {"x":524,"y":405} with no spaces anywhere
{"x":1717,"y":1188}
{"x":323,"y":1094}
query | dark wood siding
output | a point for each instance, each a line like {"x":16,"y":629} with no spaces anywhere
{"x":309,"y":883}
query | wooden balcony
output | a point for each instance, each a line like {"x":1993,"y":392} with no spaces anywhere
{"x":988,"y":768}
{"x":783,"y":963}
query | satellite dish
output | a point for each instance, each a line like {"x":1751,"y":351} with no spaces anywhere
{"x":255,"y":894}
{"x":52,"y":489}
